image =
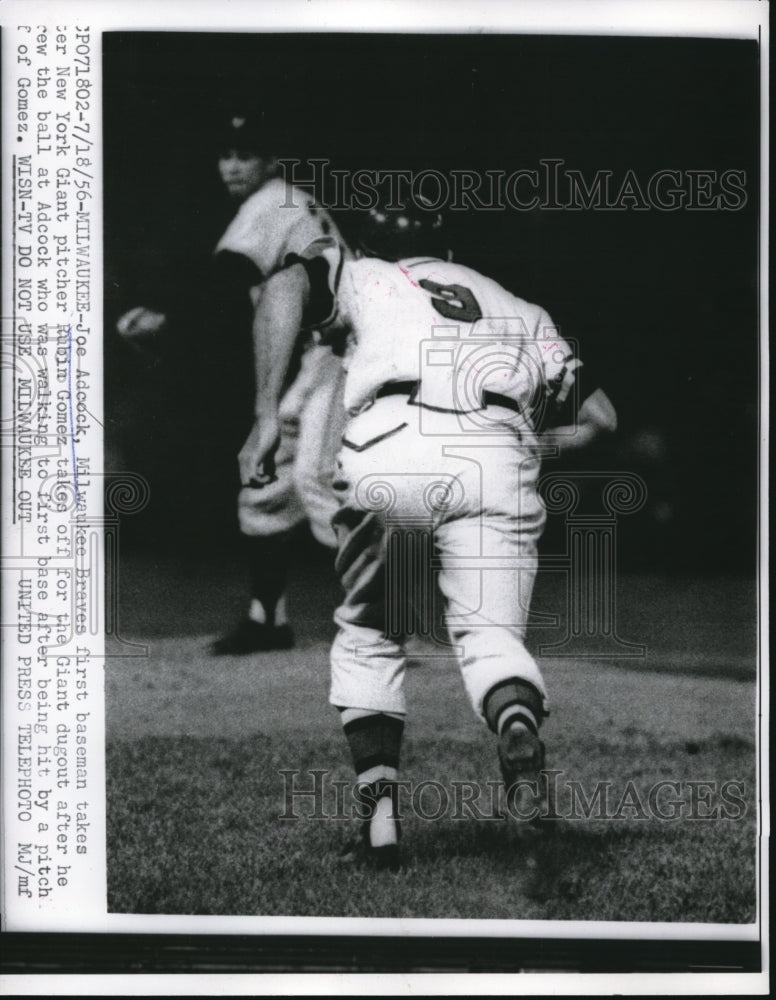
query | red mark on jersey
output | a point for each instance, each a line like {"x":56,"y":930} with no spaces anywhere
{"x":408,"y":276}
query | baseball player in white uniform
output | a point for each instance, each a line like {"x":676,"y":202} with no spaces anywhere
{"x":273,"y":220}
{"x":449,"y":377}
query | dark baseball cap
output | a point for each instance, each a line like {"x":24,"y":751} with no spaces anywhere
{"x":247,"y":132}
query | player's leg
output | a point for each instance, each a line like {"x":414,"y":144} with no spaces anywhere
{"x":313,"y":415}
{"x":489,"y":564}
{"x":486,"y":578}
{"x":367,"y":674}
{"x":374,"y":739}
{"x":266,"y":518}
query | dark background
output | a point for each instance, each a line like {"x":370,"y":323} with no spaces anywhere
{"x":664,"y":304}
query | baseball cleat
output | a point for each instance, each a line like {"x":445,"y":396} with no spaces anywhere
{"x":521,"y":756}
{"x":359,"y":850}
{"x":378,"y":844}
{"x":252,"y":637}
{"x":381,"y":835}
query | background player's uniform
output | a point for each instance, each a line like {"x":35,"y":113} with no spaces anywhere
{"x":447,"y":375}
{"x":271,"y":223}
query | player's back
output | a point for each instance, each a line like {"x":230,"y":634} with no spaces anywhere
{"x":439,"y":323}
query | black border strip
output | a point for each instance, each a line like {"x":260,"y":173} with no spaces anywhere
{"x":218,"y":953}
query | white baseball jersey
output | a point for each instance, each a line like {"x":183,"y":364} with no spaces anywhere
{"x":457,"y":333}
{"x":274,"y":221}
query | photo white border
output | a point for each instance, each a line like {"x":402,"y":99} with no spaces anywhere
{"x":660,"y":18}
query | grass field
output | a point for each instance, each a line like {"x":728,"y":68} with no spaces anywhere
{"x":196,"y":747}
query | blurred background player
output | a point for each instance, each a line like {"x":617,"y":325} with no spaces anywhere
{"x":450,"y":379}
{"x":271,"y":221}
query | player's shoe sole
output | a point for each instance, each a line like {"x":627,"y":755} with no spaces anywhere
{"x":522,"y":758}
{"x":252,"y":637}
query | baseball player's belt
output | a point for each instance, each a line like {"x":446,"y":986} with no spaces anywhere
{"x":410,"y":388}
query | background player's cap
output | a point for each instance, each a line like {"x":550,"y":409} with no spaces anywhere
{"x":412,"y":231}
{"x":246,"y":132}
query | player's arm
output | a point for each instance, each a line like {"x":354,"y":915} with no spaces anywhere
{"x":595,"y":418}
{"x":277,"y":324}
{"x":572,"y":425}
